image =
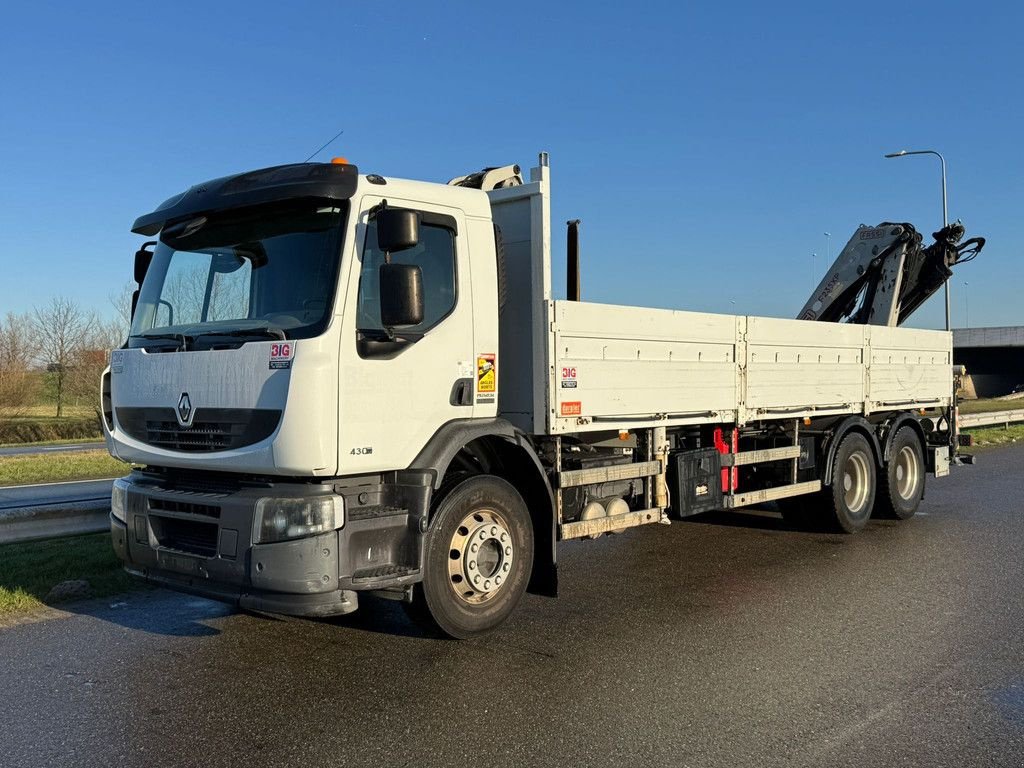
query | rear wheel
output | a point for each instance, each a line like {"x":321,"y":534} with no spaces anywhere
{"x":848,"y":502}
{"x":901,"y":485}
{"x":477,"y":559}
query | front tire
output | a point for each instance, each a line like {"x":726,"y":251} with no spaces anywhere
{"x":477,"y":559}
{"x":901,"y":485}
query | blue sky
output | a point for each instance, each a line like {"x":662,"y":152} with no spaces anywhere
{"x":705,"y":148}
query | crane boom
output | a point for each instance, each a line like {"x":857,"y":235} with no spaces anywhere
{"x":883,"y":274}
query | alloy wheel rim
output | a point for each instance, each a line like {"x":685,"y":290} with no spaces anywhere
{"x":855,"y":482}
{"x":480,"y":557}
{"x":908,"y":471}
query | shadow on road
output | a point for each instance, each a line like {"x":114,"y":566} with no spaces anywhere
{"x":157,"y":612}
{"x":761,"y":518}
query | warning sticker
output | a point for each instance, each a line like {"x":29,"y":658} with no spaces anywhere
{"x":572,"y":408}
{"x":486,"y":378}
{"x":569,"y":377}
{"x":281,"y":355}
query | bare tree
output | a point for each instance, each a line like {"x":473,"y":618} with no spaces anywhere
{"x":122,"y":304}
{"x":18,"y":385}
{"x":87,"y":364}
{"x":60,"y":330}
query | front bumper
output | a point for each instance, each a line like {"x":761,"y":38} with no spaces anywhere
{"x":229,"y":582}
{"x":198,"y":538}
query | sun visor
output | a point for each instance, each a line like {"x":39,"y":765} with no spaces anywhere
{"x":335,"y":181}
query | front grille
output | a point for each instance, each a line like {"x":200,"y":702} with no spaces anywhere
{"x":213,"y":429}
{"x":184,"y":507}
{"x":189,"y":536}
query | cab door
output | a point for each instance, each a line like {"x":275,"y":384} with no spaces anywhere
{"x":398,"y":388}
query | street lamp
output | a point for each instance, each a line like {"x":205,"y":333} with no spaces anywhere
{"x":945,"y":215}
{"x":814,"y":258}
{"x":828,"y":249}
{"x":967,"y":307}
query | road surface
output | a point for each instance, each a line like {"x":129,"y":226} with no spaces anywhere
{"x":730,"y":641}
{"x":25,"y":450}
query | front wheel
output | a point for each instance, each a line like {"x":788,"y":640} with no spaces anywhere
{"x":477,"y":559}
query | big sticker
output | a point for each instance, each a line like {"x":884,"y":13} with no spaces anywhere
{"x":281,"y":354}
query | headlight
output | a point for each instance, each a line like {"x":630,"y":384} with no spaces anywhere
{"x":283,"y":519}
{"x":119,"y":500}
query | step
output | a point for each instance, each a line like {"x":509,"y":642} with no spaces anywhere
{"x":384,"y":575}
{"x":373,"y":512}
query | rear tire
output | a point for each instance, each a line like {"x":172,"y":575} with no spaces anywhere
{"x":901,"y":485}
{"x":847,"y":504}
{"x":477,"y":559}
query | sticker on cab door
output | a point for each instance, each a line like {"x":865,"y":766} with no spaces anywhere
{"x":281,"y":354}
{"x":486,"y":378}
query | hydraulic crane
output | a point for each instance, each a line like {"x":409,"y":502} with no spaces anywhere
{"x":884,"y":274}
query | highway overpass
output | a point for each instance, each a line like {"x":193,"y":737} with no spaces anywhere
{"x":994,"y":358}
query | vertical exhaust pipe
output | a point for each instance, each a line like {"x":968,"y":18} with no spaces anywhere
{"x":572,"y":271}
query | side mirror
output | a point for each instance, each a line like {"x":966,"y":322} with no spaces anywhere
{"x":143,"y":259}
{"x":397,"y":229}
{"x":401,"y":295}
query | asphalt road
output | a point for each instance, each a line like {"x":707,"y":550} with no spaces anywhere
{"x":25,"y":450}
{"x":730,"y":641}
{"x":54,"y":494}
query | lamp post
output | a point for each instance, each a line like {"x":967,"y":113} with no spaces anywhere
{"x":967,"y":307}
{"x":945,"y":215}
{"x":828,"y":249}
{"x":814,"y":258}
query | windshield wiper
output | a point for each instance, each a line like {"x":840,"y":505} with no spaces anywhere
{"x":179,"y":337}
{"x":273,"y":333}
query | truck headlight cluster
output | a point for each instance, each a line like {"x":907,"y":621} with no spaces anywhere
{"x":119,"y":500}
{"x":283,"y":519}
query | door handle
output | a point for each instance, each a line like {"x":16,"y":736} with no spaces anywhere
{"x":462,"y":392}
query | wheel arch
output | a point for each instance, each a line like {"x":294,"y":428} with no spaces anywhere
{"x":892,"y":426}
{"x":859,"y":425}
{"x":495,"y":446}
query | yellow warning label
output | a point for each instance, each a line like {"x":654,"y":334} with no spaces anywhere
{"x":486,"y":374}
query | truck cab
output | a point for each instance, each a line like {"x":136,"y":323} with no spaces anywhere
{"x":287,"y":434}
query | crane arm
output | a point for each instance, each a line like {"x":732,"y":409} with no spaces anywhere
{"x":883,"y":274}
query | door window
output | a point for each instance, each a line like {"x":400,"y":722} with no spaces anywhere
{"x":434,"y":255}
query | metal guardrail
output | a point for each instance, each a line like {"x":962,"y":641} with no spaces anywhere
{"x":43,"y":523}
{"x":992,"y":418}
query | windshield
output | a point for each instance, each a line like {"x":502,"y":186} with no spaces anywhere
{"x":257,"y":273}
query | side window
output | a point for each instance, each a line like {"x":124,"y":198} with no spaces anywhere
{"x":435,"y":256}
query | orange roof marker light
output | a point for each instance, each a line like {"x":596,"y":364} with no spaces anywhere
{"x":339,"y":161}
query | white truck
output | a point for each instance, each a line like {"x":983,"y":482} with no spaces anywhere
{"x":339,"y":383}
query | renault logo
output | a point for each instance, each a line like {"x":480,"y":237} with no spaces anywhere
{"x":185,"y":410}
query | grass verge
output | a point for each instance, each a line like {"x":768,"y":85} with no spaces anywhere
{"x":65,"y":441}
{"x":59,"y":467}
{"x":987,"y":406}
{"x":29,"y":570}
{"x":986,"y":436}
